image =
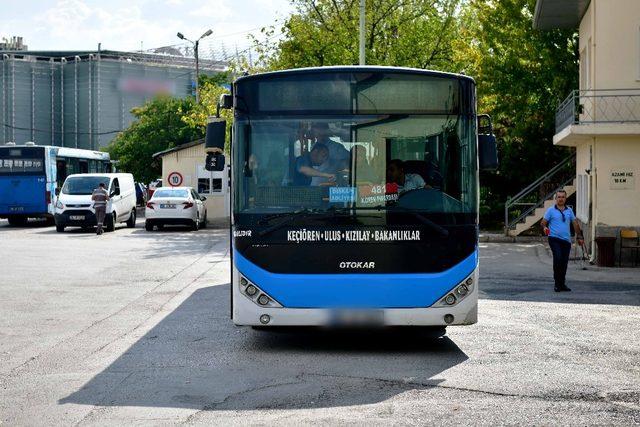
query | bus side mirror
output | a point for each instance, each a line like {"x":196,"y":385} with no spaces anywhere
{"x":226,"y":101}
{"x":487,"y":148}
{"x":214,"y":162}
{"x":215,"y":136}
{"x":487,"y":152}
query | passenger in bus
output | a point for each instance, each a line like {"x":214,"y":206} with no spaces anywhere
{"x":338,"y":155}
{"x":308,"y":166}
{"x":404,"y":181}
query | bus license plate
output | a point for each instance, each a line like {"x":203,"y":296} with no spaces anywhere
{"x":76,"y":217}
{"x":357,"y":318}
{"x":163,"y":206}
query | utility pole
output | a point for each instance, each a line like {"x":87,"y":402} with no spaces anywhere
{"x":195,"y":50}
{"x":196,"y":44}
{"x":362,"y":17}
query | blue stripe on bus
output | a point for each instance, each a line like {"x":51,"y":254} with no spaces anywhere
{"x":356,"y":290}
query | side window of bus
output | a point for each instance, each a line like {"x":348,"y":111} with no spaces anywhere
{"x":115,"y":187}
{"x":61,"y":172}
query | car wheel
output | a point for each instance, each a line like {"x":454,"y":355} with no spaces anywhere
{"x":131,"y":222}
{"x":60,"y":228}
{"x":196,"y":224}
{"x":111,"y":221}
{"x":148,"y":226}
{"x":204,"y":221}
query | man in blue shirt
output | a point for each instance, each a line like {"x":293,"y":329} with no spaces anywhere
{"x":556,"y":225}
{"x":307,"y":166}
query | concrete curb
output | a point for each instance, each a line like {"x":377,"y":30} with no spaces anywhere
{"x":501,"y":238}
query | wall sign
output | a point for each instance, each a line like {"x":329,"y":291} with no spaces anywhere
{"x":622,"y":178}
{"x":175,"y":179}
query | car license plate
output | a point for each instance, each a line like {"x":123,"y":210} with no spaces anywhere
{"x":76,"y":217}
{"x":16,"y":209}
{"x":166,"y":206}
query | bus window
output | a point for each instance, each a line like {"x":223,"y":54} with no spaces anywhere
{"x":61,"y":172}
{"x":83,"y":166}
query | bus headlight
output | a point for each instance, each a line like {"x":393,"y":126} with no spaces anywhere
{"x":457,"y":294}
{"x":255,"y":294}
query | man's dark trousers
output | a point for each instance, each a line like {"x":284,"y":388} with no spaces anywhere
{"x":561,"y":250}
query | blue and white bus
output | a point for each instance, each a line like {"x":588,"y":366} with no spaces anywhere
{"x":30,"y":174}
{"x":378,"y":227}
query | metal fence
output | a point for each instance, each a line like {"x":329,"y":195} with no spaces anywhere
{"x":83,"y":100}
{"x":599,"y":106}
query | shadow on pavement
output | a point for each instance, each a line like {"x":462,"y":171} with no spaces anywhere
{"x":195,"y":358}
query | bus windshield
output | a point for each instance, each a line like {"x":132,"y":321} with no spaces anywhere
{"x":383,"y":162}
{"x":355,"y":140}
{"x":83,"y":185}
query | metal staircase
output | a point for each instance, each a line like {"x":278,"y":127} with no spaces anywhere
{"x":525,"y":209}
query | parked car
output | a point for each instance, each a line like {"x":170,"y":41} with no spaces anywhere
{"x":74,"y":206}
{"x":153,"y":185}
{"x":175,"y":206}
{"x":141,"y":194}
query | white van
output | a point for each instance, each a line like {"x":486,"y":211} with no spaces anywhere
{"x":74,"y":206}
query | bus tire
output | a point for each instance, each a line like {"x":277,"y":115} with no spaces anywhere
{"x":60,"y":228}
{"x":111,"y":221}
{"x":131,"y":222}
{"x":18,"y":221}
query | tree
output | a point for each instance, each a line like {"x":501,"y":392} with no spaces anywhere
{"x":160,"y":124}
{"x":413,"y":33}
{"x":522,"y":75}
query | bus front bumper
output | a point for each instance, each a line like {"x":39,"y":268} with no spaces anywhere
{"x":247,"y":313}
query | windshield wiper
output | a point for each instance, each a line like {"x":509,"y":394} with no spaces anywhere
{"x":441,"y":231}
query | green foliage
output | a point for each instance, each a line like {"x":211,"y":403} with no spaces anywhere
{"x":522,"y":73}
{"x":160,"y":124}
{"x":416,"y":33}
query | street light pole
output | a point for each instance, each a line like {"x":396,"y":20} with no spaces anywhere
{"x":196,"y":45}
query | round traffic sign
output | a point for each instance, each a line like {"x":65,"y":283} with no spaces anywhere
{"x":175,"y":179}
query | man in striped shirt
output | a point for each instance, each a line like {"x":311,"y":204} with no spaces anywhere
{"x":100,"y":197}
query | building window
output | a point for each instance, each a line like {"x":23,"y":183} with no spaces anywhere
{"x":209,"y":182}
{"x":585,"y":82}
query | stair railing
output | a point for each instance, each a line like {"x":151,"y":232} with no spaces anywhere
{"x":526,"y":201}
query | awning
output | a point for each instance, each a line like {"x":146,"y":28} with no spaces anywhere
{"x":552,"y":14}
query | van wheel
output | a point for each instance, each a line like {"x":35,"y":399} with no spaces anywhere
{"x":131,"y":222}
{"x":111,"y":221}
{"x":60,"y":228}
{"x":148,"y":226}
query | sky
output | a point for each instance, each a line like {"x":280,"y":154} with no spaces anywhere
{"x":136,"y":24}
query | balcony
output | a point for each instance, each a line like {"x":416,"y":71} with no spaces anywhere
{"x":588,"y":113}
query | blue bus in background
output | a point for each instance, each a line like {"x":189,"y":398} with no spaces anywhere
{"x":355,"y":197}
{"x":30,"y":175}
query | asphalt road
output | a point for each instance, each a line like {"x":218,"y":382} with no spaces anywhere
{"x":133,"y":328}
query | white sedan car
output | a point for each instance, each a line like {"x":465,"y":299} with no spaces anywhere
{"x":175,"y":206}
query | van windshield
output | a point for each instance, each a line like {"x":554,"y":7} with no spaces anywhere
{"x":83,"y":185}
